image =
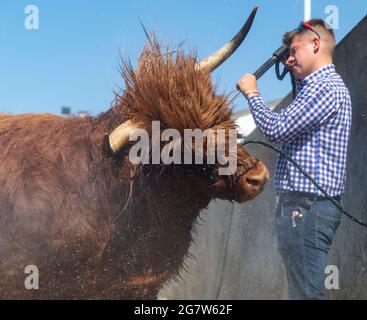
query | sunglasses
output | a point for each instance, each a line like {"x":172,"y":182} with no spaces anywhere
{"x":304,"y":25}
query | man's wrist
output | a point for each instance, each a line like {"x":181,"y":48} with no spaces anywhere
{"x":251,"y":94}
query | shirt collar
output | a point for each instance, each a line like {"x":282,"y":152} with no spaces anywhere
{"x":317,"y":75}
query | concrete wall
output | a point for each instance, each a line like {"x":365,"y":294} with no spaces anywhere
{"x":235,"y":246}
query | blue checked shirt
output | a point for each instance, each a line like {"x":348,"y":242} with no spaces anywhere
{"x":314,"y":130}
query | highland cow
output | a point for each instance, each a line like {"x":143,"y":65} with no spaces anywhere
{"x":94,"y":224}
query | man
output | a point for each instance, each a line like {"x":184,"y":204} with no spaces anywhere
{"x":314,"y":130}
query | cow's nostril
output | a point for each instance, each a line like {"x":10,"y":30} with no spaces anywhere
{"x":257,"y":176}
{"x":254,"y":181}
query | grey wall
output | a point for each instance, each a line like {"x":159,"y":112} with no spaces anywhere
{"x":235,"y":246}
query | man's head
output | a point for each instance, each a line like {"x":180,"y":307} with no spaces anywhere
{"x":311,"y":46}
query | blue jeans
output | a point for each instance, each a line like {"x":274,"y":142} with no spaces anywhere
{"x":304,"y":242}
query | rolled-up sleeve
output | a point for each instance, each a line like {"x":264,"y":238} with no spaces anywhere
{"x":313,"y":106}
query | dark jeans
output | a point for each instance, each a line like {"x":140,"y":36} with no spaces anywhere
{"x":304,"y":241}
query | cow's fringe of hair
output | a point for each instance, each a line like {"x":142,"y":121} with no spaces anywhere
{"x":167,"y":87}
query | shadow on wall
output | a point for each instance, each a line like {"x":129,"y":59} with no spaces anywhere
{"x":235,"y":246}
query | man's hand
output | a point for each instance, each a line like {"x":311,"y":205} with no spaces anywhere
{"x":247,"y":84}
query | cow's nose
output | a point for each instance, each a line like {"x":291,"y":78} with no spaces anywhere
{"x":257,"y":176}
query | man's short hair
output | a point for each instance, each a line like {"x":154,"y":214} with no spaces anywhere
{"x":326,"y":33}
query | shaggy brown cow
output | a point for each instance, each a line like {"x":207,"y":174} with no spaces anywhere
{"x":94,"y":224}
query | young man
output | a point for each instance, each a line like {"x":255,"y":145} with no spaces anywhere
{"x":314,"y":130}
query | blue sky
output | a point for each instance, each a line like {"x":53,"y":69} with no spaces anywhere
{"x":72,"y":60}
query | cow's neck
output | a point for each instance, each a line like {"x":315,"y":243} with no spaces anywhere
{"x":157,"y":226}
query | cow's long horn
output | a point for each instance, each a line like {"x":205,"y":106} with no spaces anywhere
{"x":120,"y":136}
{"x":216,"y":59}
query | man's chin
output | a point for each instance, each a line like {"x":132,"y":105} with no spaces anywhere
{"x":297,"y":74}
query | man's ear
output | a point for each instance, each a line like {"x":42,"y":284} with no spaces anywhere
{"x":316,"y":44}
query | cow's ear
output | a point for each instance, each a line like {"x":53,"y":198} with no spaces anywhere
{"x":106,"y":147}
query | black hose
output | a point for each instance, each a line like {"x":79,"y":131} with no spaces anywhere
{"x":286,"y":156}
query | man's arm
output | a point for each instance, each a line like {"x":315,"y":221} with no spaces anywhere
{"x":314,"y":106}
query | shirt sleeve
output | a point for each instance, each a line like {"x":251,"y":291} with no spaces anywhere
{"x":313,"y":106}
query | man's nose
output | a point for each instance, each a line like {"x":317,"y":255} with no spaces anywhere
{"x":289,"y":61}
